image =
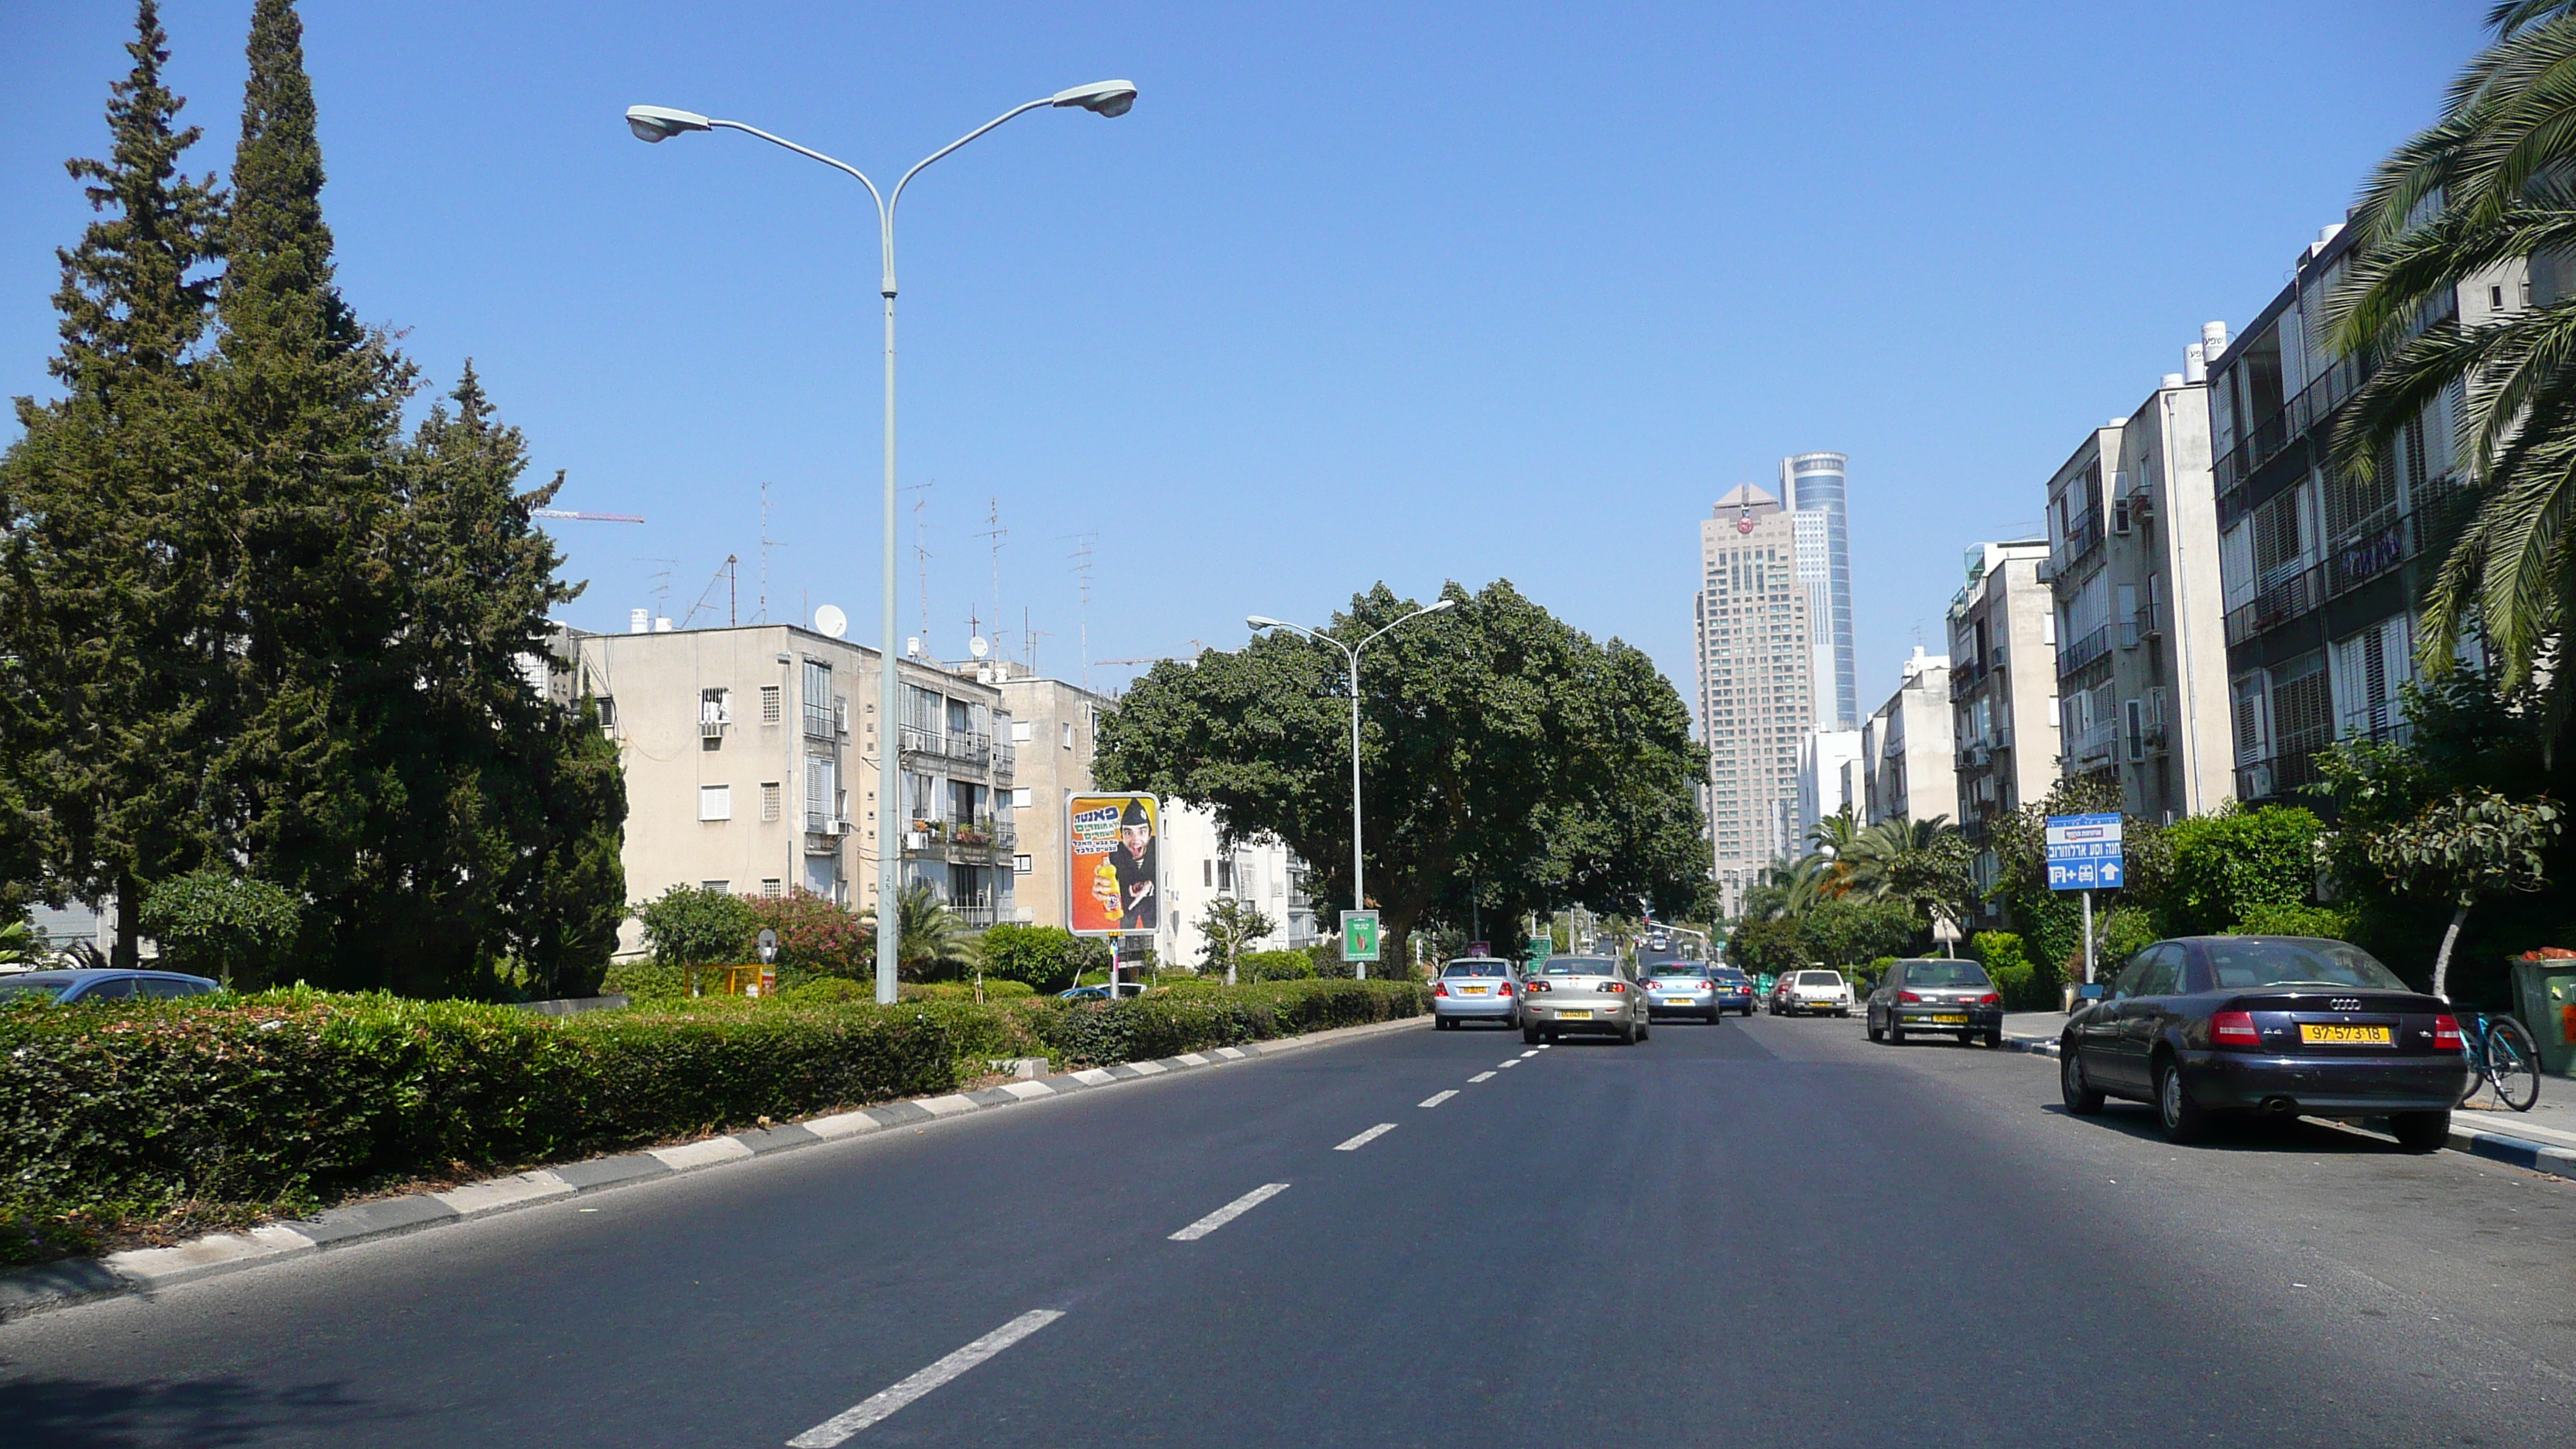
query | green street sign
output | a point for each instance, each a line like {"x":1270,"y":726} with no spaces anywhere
{"x":1359,"y":935}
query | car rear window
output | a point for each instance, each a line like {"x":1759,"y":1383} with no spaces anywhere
{"x":1819,"y":978}
{"x":1945,"y":973}
{"x":2244,"y":964}
{"x":1474,"y":968}
{"x":1580,"y":966}
{"x":29,"y":990}
{"x":1680,"y":968}
{"x":1727,"y":973}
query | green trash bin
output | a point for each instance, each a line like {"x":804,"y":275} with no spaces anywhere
{"x":2544,"y":996}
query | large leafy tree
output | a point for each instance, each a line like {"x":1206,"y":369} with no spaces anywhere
{"x":1509,"y":763}
{"x":103,"y":533}
{"x":2492,"y":182}
{"x":2465,"y":845}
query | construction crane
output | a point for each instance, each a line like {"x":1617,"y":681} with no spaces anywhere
{"x":583,"y":517}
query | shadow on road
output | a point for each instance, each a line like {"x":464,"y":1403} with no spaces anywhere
{"x":200,"y":1414}
{"x":2244,"y":1133}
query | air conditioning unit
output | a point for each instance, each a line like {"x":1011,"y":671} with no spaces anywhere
{"x":711,"y":728}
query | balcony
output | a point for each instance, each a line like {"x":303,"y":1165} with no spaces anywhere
{"x":2381,"y":723}
{"x":1006,"y":757}
{"x":2083,"y":535}
{"x":2083,"y":651}
{"x":2093,"y":745}
{"x":2290,"y":594}
{"x":964,"y":748}
{"x":2265,"y":439}
{"x":977,"y":915}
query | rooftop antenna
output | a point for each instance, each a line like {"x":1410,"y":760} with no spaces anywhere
{"x":921,"y":556}
{"x":996,"y":532}
{"x":724,"y":575}
{"x":766,"y":544}
{"x":1081,"y":557}
{"x":661,"y":584}
{"x":1029,"y":637}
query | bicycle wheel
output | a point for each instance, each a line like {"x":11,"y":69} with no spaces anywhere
{"x":2513,"y":1063}
{"x":2476,"y":1043}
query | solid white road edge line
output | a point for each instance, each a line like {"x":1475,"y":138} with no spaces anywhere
{"x":1365,"y":1138}
{"x":885,"y":1401}
{"x":1480,"y":1077}
{"x":1229,"y":1212}
{"x":1436,"y":1098}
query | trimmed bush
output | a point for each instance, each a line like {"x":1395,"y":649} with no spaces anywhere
{"x":1276,"y":966}
{"x":1042,"y":956}
{"x":2277,"y":920}
{"x":211,"y":1112}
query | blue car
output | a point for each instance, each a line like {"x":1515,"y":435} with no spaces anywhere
{"x":86,"y":988}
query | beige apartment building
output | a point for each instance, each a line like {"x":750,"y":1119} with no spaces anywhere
{"x":2003,"y":689}
{"x":1908,"y":760}
{"x":751,"y":757}
{"x":1054,"y":728}
{"x":1757,"y":684}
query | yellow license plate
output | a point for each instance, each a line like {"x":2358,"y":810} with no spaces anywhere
{"x":1954,"y":1020}
{"x":1574,"y":1016}
{"x":2315,"y":1034}
{"x":1471,"y":991}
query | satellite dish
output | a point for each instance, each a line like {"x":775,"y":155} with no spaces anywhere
{"x":830,"y":622}
{"x":977,"y":647}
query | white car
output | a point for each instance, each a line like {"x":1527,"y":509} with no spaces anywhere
{"x":1812,"y":993}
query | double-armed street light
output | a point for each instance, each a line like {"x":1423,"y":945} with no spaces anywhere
{"x":660,"y":123}
{"x":1359,"y":896}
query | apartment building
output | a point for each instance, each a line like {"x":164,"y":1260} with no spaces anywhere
{"x":2003,"y":688}
{"x":2325,"y":575}
{"x":1054,"y":728}
{"x":1200,"y":867}
{"x":751,"y":757}
{"x":1829,"y":775}
{"x":2134,"y":567}
{"x":1908,"y":760}
{"x":1757,"y":684}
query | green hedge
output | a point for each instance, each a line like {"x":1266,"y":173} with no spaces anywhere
{"x":186,"y":1115}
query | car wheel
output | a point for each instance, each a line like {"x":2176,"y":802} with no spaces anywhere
{"x":1441,"y":1023}
{"x":2185,"y":1120}
{"x":1967,"y":1038}
{"x":1627,"y":1033}
{"x":1876,"y":1032}
{"x":1895,"y":1031}
{"x":2073,"y":1084}
{"x":1529,"y":1034}
{"x":1550,"y":1035}
{"x":1995,"y":1038}
{"x":1645,"y":1029}
{"x":1716,"y":1014}
{"x":2421,"y":1131}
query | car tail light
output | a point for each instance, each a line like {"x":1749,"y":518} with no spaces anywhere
{"x":1536,"y":987}
{"x":1909,"y":998}
{"x":2446,"y":1035}
{"x":1705,"y":985}
{"x":1504,"y":989}
{"x":2234,"y":1028}
{"x":1614,"y":986}
{"x":1991,"y":998}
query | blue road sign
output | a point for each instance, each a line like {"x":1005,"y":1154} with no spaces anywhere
{"x":2084,"y":852}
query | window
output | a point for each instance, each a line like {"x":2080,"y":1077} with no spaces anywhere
{"x":1023,"y":864}
{"x":772,"y":888}
{"x":720,"y":887}
{"x":770,"y":792}
{"x":1207,"y":872}
{"x":715,"y":802}
{"x":822,"y":792}
{"x":1023,"y":797}
{"x":769,"y":707}
{"x":1023,"y":731}
{"x":607,"y":713}
{"x":1068,"y":734}
{"x":715,"y":706}
{"x":818,"y":698}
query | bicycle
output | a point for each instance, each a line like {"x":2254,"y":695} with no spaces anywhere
{"x":2503,"y":1055}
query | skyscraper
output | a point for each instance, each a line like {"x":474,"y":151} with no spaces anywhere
{"x":1812,"y":486}
{"x":1757,"y":694}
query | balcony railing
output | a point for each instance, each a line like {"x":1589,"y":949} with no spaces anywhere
{"x":2082,"y":537}
{"x":966,"y":748}
{"x":2288,"y":597}
{"x":2094,"y":742}
{"x":1006,"y":757}
{"x":2383,"y":722}
{"x":2083,"y":651}
{"x":2266,"y":437}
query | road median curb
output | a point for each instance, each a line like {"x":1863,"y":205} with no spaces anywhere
{"x":25,"y":1292}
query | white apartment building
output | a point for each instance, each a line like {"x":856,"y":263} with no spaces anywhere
{"x":2003,"y":688}
{"x":1829,"y":775}
{"x":1908,"y":763}
{"x":1199,"y":867}
{"x":1757,"y":684}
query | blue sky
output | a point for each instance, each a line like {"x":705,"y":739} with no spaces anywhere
{"x":1357,"y":292}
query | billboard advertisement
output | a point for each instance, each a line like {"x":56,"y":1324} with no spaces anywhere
{"x":1114,"y":864}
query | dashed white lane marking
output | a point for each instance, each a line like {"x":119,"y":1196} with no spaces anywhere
{"x":1229,"y":1212}
{"x":1365,"y":1138}
{"x":885,"y":1401}
{"x":1543,"y":1046}
{"x":1533,"y":1051}
{"x":1481,"y":1077}
{"x":1436,"y":1098}
{"x":1514,"y":1062}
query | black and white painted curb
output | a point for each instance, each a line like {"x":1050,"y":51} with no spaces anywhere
{"x":146,"y":1270}
{"x":2483,"y":1142}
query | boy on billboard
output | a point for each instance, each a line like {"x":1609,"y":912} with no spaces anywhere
{"x":1132,"y":897}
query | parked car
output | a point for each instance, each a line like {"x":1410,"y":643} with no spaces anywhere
{"x":2204,"y":1026}
{"x":1936,"y":994}
{"x":88,"y":988}
{"x":1681,"y":988}
{"x":1582,"y":994}
{"x":1476,"y":988}
{"x":1734,"y":989}
{"x":1811,"y":993}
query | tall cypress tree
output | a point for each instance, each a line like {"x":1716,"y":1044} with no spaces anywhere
{"x":309,"y":404}
{"x":102,"y":564}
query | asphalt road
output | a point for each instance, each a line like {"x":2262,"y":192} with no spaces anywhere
{"x":1763,"y":1233}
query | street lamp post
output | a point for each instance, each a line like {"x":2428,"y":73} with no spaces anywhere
{"x":661,"y":123}
{"x":1359,"y":895}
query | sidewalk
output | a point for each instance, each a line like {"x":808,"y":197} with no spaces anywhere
{"x":2542,"y":1139}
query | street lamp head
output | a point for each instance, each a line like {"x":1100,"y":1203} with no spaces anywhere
{"x":660,"y":123}
{"x":1261,"y":621}
{"x":1436,"y":608}
{"x":1102,"y":98}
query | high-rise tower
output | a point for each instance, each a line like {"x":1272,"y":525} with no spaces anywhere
{"x":1811,"y":485}
{"x":1756,"y":684}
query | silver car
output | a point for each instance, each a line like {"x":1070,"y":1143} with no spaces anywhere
{"x":1811,"y":993}
{"x":1582,"y":994}
{"x":1684,"y":988}
{"x":1476,"y":988}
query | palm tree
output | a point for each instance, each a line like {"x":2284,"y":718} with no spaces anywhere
{"x":2492,"y":182}
{"x":934,"y":941}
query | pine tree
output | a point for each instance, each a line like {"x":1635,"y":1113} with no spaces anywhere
{"x":308,"y":402}
{"x":101,"y":559}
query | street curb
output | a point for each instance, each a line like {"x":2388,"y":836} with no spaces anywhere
{"x":2541,"y":1157}
{"x":25,"y":1292}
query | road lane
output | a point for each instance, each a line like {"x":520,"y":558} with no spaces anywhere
{"x":1766,"y":1232}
